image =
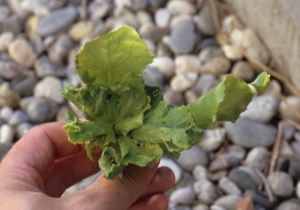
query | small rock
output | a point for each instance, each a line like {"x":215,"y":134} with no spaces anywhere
{"x":44,"y":67}
{"x":192,"y":157}
{"x":262,"y":108}
{"x":232,"y":156}
{"x":8,"y":97}
{"x":213,"y":139}
{"x":291,"y":204}
{"x":204,"y":83}
{"x":206,"y":191}
{"x":138,"y":4}
{"x":60,"y":49}
{"x":50,"y":88}
{"x":281,"y":183}
{"x":165,"y":65}
{"x":22,"y":52}
{"x":6,"y":113}
{"x":287,"y":130}
{"x":216,"y":66}
{"x":80,"y":30}
{"x":7,"y":134}
{"x":261,"y":198}
{"x":183,"y":81}
{"x":297,"y":136}
{"x":157,"y":3}
{"x":153,"y":77}
{"x":200,"y":207}
{"x":4,"y":11}
{"x":186,"y":180}
{"x":190,"y":96}
{"x":229,"y":187}
{"x":162,"y":17}
{"x":163,"y":50}
{"x":285,"y":149}
{"x":228,"y":201}
{"x":229,"y":23}
{"x":216,"y":176}
{"x":7,"y":72}
{"x":31,"y":25}
{"x":184,"y":195}
{"x":244,"y":177}
{"x":61,"y":113}
{"x":177,"y":7}
{"x":294,"y":168}
{"x":249,"y":134}
{"x":23,"y":128}
{"x":17,"y":118}
{"x":4,"y":148}
{"x":288,"y":107}
{"x":258,"y":157}
{"x":209,"y":53}
{"x":298,"y":189}
{"x":208,"y":43}
{"x":199,"y":172}
{"x":187,"y":63}
{"x":173,"y":97}
{"x":215,"y":207}
{"x":183,"y":37}
{"x":39,"y":109}
{"x":296,"y":147}
{"x":173,"y":166}
{"x":232,"y":52}
{"x":5,"y":39}
{"x":57,"y":20}
{"x":253,"y":45}
{"x":99,"y":9}
{"x":204,"y":21}
{"x":12,"y":24}
{"x":243,"y":70}
{"x":273,"y":88}
{"x":144,"y":17}
{"x":176,"y":20}
{"x":282,"y":164}
{"x":25,"y":86}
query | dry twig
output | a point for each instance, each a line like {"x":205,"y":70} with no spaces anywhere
{"x":276,"y":148}
{"x":83,"y":12}
{"x":266,"y":184}
{"x":214,"y":11}
{"x":295,"y":124}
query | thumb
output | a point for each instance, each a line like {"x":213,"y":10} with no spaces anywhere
{"x":122,"y":193}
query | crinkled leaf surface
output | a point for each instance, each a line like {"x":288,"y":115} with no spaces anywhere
{"x":129,"y":120}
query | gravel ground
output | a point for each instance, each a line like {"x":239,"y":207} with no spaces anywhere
{"x":232,"y":165}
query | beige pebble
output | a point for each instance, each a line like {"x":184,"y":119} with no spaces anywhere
{"x":80,"y":30}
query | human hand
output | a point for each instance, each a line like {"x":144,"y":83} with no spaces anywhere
{"x":41,"y":165}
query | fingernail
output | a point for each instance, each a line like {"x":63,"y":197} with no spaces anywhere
{"x":152,"y":165}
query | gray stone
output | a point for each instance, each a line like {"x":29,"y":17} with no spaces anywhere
{"x":217,"y":66}
{"x":183,"y":195}
{"x":57,"y":20}
{"x":50,"y":88}
{"x":183,"y":81}
{"x":173,"y":97}
{"x":99,"y":9}
{"x":213,"y":139}
{"x":287,"y":130}
{"x":261,"y":198}
{"x":206,"y":191}
{"x":61,"y":113}
{"x":162,"y":17}
{"x":281,"y":183}
{"x":138,"y":4}
{"x":288,"y":107}
{"x":178,"y":207}
{"x":157,"y":3}
{"x":153,"y":77}
{"x":204,"y":83}
{"x":229,"y":187}
{"x":12,"y":24}
{"x":4,"y":12}
{"x":25,"y":86}
{"x":183,"y":37}
{"x":295,"y":147}
{"x":39,"y":109}
{"x":204,"y":21}
{"x":41,"y":7}
{"x":23,"y":128}
{"x":209,"y":53}
{"x":44,"y":67}
{"x":294,"y":168}
{"x":6,"y":113}
{"x":164,"y":65}
{"x":258,"y":157}
{"x":7,"y":134}
{"x":285,"y":149}
{"x":249,"y":134}
{"x":215,"y":207}
{"x":291,"y":204}
{"x":297,"y":136}
{"x":228,"y":202}
{"x":244,"y":177}
{"x":186,"y":180}
{"x":243,"y":70}
{"x":4,"y":148}
{"x":200,"y":207}
{"x":187,"y":63}
{"x":177,"y":7}
{"x":22,"y":52}
{"x":262,"y":108}
{"x":18,"y":117}
{"x":8,"y":97}
{"x":60,"y":49}
{"x":232,"y":157}
{"x":200,"y":172}
{"x":173,"y":166}
{"x":192,"y":157}
{"x":208,"y":42}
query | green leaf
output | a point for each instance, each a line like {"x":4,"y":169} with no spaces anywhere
{"x":225,"y":101}
{"x":113,"y":57}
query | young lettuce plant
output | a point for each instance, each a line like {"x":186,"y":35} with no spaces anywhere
{"x":128,"y":119}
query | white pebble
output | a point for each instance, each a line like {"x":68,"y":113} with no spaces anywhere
{"x":173,"y":166}
{"x":6,"y":113}
{"x":7,"y":134}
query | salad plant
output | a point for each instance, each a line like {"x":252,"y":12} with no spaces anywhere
{"x":128,"y":119}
